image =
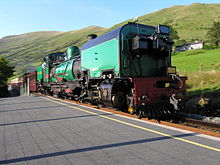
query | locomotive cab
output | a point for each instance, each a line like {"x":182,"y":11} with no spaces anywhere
{"x":145,"y":50}
{"x":158,"y":42}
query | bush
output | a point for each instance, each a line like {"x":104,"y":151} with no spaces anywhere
{"x":206,"y":46}
{"x":6,"y":71}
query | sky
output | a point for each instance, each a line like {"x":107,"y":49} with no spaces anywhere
{"x":23,"y":16}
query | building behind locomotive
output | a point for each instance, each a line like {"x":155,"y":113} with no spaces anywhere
{"x":27,"y":83}
{"x":132,"y":68}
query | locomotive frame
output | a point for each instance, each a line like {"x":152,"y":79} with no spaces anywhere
{"x":138,"y":77}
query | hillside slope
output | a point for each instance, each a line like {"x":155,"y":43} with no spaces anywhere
{"x":191,"y":21}
{"x":202,"y":67}
{"x":27,"y":50}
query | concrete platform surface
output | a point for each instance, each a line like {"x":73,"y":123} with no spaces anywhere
{"x":42,"y":130}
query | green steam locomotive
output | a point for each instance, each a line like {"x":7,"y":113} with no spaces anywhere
{"x":128,"y":68}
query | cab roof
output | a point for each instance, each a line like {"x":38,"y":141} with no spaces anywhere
{"x":110,"y":35}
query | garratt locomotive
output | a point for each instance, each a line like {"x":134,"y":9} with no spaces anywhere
{"x":128,"y":68}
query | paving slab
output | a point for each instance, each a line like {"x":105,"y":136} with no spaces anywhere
{"x":41,"y":130}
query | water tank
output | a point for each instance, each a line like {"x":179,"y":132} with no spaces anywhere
{"x":72,"y":51}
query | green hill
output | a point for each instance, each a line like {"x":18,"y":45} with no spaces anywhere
{"x":191,"y":22}
{"x":202,"y":67}
{"x":26,"y":50}
{"x":193,"y":61}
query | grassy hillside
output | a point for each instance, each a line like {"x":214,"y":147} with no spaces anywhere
{"x":191,"y":22}
{"x":197,"y":60}
{"x":26,"y":50}
{"x":202,"y":68}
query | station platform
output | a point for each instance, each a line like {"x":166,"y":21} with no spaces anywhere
{"x":42,"y":130}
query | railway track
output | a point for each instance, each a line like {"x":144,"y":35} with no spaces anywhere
{"x":189,"y":124}
{"x":210,"y":126}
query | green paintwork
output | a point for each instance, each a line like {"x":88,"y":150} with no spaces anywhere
{"x":113,"y":54}
{"x":47,"y":79}
{"x":64,"y":71}
{"x":149,"y":64}
{"x":46,"y":69}
{"x":71,"y":51}
{"x":109,"y":55}
{"x":101,"y":57}
{"x":39,"y":74}
{"x":49,"y":62}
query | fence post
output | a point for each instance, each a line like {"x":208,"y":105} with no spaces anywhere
{"x":28,"y":87}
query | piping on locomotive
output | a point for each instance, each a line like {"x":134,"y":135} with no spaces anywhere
{"x":128,"y":68}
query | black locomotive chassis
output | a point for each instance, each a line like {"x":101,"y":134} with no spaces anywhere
{"x":117,"y":93}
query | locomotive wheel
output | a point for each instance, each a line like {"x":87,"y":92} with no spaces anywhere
{"x":119,"y":100}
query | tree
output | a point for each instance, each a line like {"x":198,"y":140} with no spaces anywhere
{"x":213,"y":33}
{"x":180,"y":42}
{"x":173,"y":34}
{"x":6,"y":70}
